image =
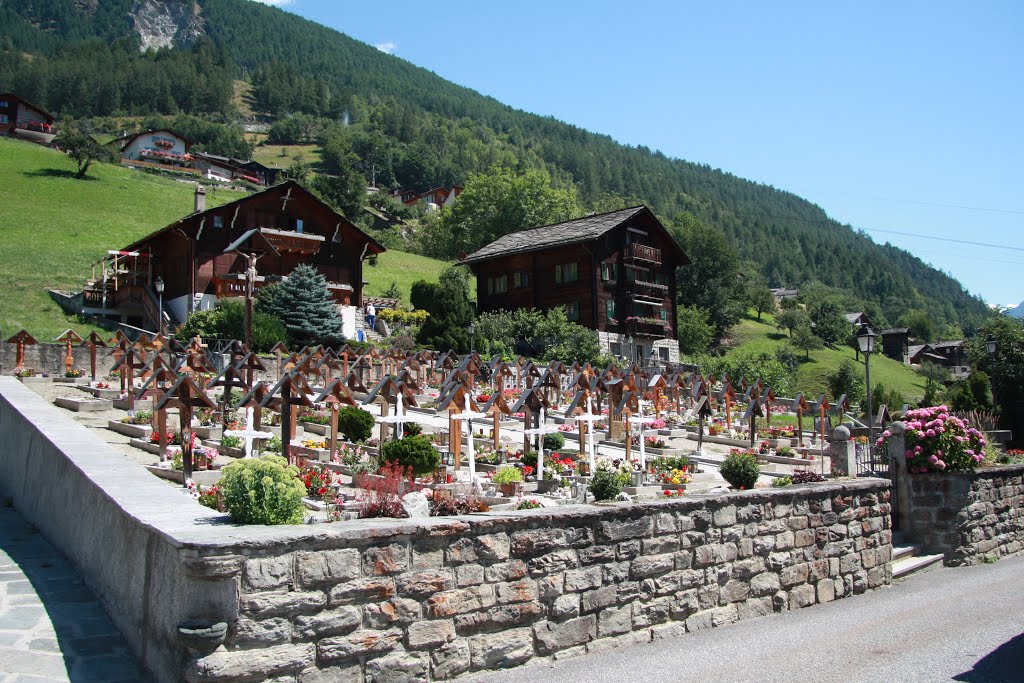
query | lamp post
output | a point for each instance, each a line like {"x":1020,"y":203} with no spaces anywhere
{"x":159,"y":285}
{"x":990,"y":346}
{"x":629,"y":349}
{"x":866,"y":343}
{"x":472,"y":330}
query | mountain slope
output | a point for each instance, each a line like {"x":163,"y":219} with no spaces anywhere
{"x":415,"y":129}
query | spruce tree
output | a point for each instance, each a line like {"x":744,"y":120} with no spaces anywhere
{"x":451,"y":312}
{"x":305,"y":306}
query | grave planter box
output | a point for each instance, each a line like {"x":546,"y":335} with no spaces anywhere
{"x":122,"y":403}
{"x":651,"y":450}
{"x":200,"y":477}
{"x":71,"y":380}
{"x":35,"y":379}
{"x":312,"y":454}
{"x":673,"y":432}
{"x":314,"y":428}
{"x":548,"y":485}
{"x":82,"y":405}
{"x":229,"y":452}
{"x":134,"y":431}
{"x":207,"y":432}
{"x":108,"y":394}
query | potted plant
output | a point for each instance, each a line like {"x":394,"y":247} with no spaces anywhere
{"x":509,"y":479}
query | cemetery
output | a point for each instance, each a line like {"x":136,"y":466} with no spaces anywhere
{"x":337,"y":514}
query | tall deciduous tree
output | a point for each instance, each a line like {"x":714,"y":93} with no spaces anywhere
{"x":829,"y":323}
{"x":82,"y":148}
{"x":711,"y":281}
{"x":496,"y":203}
{"x":805,"y":340}
{"x":695,"y":333}
{"x":304,"y":305}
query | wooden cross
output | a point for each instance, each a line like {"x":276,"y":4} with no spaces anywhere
{"x":131,"y":361}
{"x":279,"y":350}
{"x":160,"y":377}
{"x":529,"y":404}
{"x":185,"y":394}
{"x":91,"y":342}
{"x":753,"y":412}
{"x":800,"y":405}
{"x":22,"y":339}
{"x":231,"y":378}
{"x":335,"y":394}
{"x":69,"y":337}
{"x":287,"y":395}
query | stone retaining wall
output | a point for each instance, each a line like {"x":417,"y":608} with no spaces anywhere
{"x":44,"y":357}
{"x":423,"y":599}
{"x":971,"y":518}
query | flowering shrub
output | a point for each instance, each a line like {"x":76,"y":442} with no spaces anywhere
{"x":528,"y":504}
{"x":210,"y":497}
{"x":263,"y":490}
{"x":764,"y":448}
{"x":608,"y":479}
{"x":669,"y":493}
{"x":74,"y":373}
{"x":567,"y":428}
{"x":380,"y":497}
{"x":317,"y":480}
{"x":938,"y":441}
{"x":806,"y":477}
{"x":141,"y":417}
{"x":318,"y":444}
{"x":740,"y":469}
{"x":657,"y":424}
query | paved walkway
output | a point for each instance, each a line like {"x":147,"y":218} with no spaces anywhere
{"x":52,"y":628}
{"x":961,"y":624}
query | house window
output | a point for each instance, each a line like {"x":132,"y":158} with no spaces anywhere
{"x":4,"y":119}
{"x":4,"y":104}
{"x":298,"y":225}
{"x":609,"y":271}
{"x":521,"y":279}
{"x":497,"y":285}
{"x":609,"y":309}
{"x":616,"y":349}
{"x":664,"y":314}
{"x":663,"y":353}
{"x":218,"y":221}
{"x":566,"y":273}
{"x":572,"y":311}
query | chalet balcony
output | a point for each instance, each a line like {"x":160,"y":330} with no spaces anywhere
{"x":642,"y":252}
{"x":164,"y":157}
{"x":291,"y":242}
{"x":648,"y":290}
{"x":647,"y":327}
{"x":37,"y":131}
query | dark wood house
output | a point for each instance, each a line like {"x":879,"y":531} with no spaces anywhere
{"x":896,"y":343}
{"x":612,"y":272}
{"x":202,"y":258}
{"x":21,"y":119}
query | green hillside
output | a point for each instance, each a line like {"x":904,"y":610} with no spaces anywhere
{"x":56,"y":226}
{"x":753,"y":337}
{"x":399,"y":124}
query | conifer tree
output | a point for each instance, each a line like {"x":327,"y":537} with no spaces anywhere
{"x":451,"y":312}
{"x":304,"y":304}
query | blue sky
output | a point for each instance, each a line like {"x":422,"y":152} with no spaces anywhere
{"x":904,"y":117}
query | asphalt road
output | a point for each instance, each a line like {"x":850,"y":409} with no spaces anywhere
{"x":961,"y":624}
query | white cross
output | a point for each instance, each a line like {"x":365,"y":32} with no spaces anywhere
{"x":249,"y":434}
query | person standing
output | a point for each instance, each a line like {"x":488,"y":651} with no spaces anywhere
{"x":371,"y":316}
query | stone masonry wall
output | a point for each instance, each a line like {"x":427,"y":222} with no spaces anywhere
{"x":970,"y":518}
{"x":44,"y":357}
{"x":419,"y":600}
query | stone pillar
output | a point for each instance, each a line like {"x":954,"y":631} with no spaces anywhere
{"x":898,"y":472}
{"x":843,"y":453}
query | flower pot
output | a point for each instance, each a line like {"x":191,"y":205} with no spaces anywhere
{"x":511,"y":489}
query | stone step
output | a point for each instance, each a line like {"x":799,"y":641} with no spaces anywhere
{"x":916,"y":564}
{"x":904,"y":550}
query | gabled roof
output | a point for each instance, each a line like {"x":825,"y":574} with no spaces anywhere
{"x":13,"y":97}
{"x":287,"y":186}
{"x":948,"y":344}
{"x":568,"y":232}
{"x":895,"y":330}
{"x":127,"y":139}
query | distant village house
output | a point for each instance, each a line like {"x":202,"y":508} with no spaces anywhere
{"x":162,"y":149}
{"x":19,"y":118}
{"x":202,"y":258}
{"x":434,"y":199}
{"x":611,"y":272}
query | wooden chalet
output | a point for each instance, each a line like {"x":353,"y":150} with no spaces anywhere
{"x":896,"y":343}
{"x":162,"y":148}
{"x":434,"y":198}
{"x":19,"y":118}
{"x":227,"y":169}
{"x":203,"y":258}
{"x":612,"y":272}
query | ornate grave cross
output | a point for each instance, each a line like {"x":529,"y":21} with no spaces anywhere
{"x":769,"y":401}
{"x":21,"y":339}
{"x":131,"y":361}
{"x":554,"y":372}
{"x":823,"y":408}
{"x":582,"y":409}
{"x":389,"y":391}
{"x":800,"y":406}
{"x":627,"y":405}
{"x":612,"y":389}
{"x":407,"y":380}
{"x":549,"y":383}
{"x":470,"y":369}
{"x":412,"y":365}
{"x":531,"y":404}
{"x":456,"y":398}
{"x":279,"y":350}
{"x":160,"y":377}
{"x":287,"y":395}
{"x":354,"y":383}
{"x":499,"y":372}
{"x":328,"y":361}
{"x":250,"y":364}
{"x":658,"y":385}
{"x":69,"y":337}
{"x":231,"y":378}
{"x":496,"y":406}
{"x":91,"y":342}
{"x":254,"y":399}
{"x":376,"y":367}
{"x":186,"y":395}
{"x":703,"y":410}
{"x":121,"y":346}
{"x":363,"y":368}
{"x":335,"y":395}
{"x":249,"y":434}
{"x":754,"y":411}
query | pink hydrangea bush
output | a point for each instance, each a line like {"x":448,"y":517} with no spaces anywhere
{"x":938,"y":441}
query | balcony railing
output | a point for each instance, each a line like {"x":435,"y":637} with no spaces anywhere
{"x":648,"y":328}
{"x":642,"y":252}
{"x":290,"y":242}
{"x":651,"y":290}
{"x":36,"y":130}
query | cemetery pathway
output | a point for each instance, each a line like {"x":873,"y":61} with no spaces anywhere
{"x":52,"y":627}
{"x":962,"y":624}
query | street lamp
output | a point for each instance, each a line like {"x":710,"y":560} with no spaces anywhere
{"x":629,"y":349}
{"x":990,"y":346}
{"x":159,"y":285}
{"x":866,"y":343}
{"x":472,"y":330}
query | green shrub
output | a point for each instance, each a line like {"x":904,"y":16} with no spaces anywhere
{"x":608,"y":480}
{"x":785,"y":452}
{"x":740,"y":470}
{"x":553,"y":441}
{"x":356,"y":424}
{"x":415,"y":452}
{"x":263,"y":490}
{"x":782,"y":481}
{"x":507,"y":475}
{"x":231,"y":442}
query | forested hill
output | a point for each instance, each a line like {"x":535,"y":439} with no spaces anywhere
{"x":409,"y":127}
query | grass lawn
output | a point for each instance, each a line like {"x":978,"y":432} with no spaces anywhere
{"x":270,"y":155}
{"x":753,"y":337}
{"x":403,"y":269}
{"x":55,"y":226}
